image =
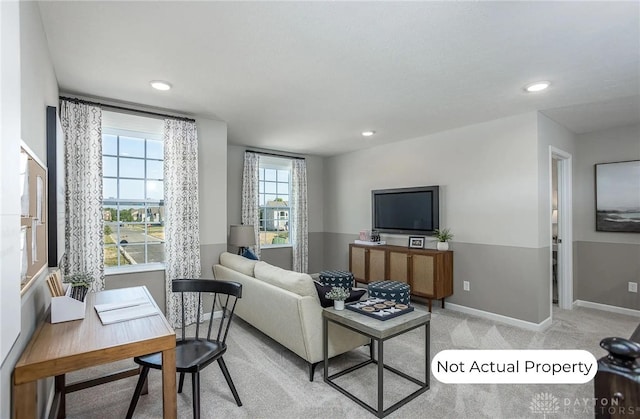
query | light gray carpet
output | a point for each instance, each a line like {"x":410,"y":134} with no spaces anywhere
{"x":273,"y":382}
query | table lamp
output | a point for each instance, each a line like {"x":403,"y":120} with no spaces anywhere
{"x":241,"y":236}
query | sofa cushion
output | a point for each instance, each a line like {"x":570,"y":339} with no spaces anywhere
{"x":237,"y":263}
{"x":296,"y":282}
{"x":354,"y":294}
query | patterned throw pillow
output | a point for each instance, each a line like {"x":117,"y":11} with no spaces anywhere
{"x":248,"y":253}
{"x":354,"y":295}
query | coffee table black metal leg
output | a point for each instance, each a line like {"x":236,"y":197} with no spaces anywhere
{"x":380,"y":378}
{"x":325,"y":346}
{"x":427,"y":355}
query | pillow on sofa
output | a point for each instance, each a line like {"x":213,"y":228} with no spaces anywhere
{"x":237,"y":263}
{"x":354,"y":295}
{"x":296,"y":282}
{"x":248,"y":253}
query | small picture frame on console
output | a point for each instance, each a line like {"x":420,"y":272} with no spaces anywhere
{"x":416,"y":242}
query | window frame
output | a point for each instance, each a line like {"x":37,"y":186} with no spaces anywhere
{"x":274,"y":163}
{"x":144,"y":203}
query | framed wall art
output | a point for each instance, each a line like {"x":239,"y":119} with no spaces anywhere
{"x":618,"y":196}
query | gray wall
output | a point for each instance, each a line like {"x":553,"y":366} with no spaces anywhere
{"x":38,"y":89}
{"x":315,"y":194}
{"x":606,"y":261}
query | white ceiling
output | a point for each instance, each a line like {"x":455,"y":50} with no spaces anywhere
{"x":309,"y":77}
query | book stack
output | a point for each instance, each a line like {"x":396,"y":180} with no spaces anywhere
{"x":54,"y":282}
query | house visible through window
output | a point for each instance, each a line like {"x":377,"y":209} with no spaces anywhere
{"x":133,"y":198}
{"x":274,"y":194}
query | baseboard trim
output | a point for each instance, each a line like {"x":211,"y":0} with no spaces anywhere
{"x":536,"y":327}
{"x":607,"y":307}
{"x":216,"y":314}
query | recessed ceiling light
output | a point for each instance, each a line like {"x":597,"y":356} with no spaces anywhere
{"x":160,"y":85}
{"x":368,"y":133}
{"x":537,"y":86}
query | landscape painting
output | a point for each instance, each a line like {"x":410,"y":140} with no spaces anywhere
{"x":618,"y":197}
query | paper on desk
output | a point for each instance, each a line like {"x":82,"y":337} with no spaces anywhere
{"x":127,"y":313}
{"x":120,"y":304}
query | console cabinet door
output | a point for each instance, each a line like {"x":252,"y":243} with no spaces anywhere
{"x":399,"y":266}
{"x":377,"y":265}
{"x":367,"y":264}
{"x":357,"y":263}
{"x":422,"y":275}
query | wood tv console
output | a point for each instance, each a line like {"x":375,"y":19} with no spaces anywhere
{"x":428,"y":272}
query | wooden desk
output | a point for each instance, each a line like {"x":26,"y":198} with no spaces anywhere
{"x":56,"y":349}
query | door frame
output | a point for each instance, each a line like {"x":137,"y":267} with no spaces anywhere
{"x":565,"y":228}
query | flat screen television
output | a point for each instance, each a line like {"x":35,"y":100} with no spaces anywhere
{"x":406,"y":210}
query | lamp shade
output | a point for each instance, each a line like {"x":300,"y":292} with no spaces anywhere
{"x":241,"y":235}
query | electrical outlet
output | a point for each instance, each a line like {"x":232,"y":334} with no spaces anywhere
{"x":465,"y":285}
{"x":633,"y":287}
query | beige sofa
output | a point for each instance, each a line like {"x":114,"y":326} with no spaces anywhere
{"x":284,"y":305}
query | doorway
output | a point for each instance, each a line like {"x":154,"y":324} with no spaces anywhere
{"x":561,"y":246}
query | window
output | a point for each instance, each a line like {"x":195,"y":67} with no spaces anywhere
{"x":133,"y":198}
{"x":274,"y":192}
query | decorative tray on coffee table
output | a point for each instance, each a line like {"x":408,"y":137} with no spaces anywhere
{"x":379,"y":308}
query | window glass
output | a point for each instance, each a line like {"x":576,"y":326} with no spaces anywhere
{"x":109,"y":188}
{"x":131,"y":189}
{"x":155,"y":190}
{"x":155,"y":169}
{"x":155,"y":149}
{"x":110,"y":144}
{"x":133,"y":193}
{"x":131,"y":168}
{"x":131,"y":147}
{"x":274,"y":191}
{"x":110,"y":166}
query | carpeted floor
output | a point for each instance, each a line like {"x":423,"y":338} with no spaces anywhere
{"x":273,"y":382}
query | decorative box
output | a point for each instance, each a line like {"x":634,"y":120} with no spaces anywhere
{"x":390,"y":290}
{"x":342,"y":279}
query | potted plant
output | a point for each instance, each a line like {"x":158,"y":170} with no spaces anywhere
{"x":338,"y":295}
{"x":443,"y":237}
{"x":79,"y":283}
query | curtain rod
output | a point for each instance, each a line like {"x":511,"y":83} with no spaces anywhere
{"x":122,"y":108}
{"x":264,"y":153}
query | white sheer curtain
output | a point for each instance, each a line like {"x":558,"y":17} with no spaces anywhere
{"x":84,"y":239}
{"x":182,"y":229}
{"x":300,"y":220}
{"x":250,"y":203}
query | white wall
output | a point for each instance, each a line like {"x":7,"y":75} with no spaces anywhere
{"x":487,"y":173}
{"x":9,"y":194}
{"x":37,"y":88}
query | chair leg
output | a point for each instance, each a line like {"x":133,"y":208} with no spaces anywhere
{"x":181,"y":382}
{"x":195,"y":384}
{"x":227,"y":377}
{"x":138,"y":390}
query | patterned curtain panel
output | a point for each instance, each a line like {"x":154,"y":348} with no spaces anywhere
{"x":182,"y":230}
{"x":84,"y":240}
{"x":250,"y":204}
{"x":300,"y":220}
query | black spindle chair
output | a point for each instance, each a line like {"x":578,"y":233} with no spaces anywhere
{"x":194,"y":353}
